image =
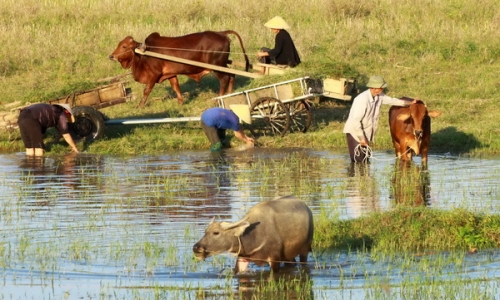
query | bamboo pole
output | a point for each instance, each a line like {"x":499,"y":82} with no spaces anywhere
{"x":198,"y":64}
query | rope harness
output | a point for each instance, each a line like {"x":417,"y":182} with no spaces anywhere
{"x":193,"y":50}
{"x":181,"y":49}
{"x":124,"y":52}
{"x":239,"y":247}
{"x":269,"y":261}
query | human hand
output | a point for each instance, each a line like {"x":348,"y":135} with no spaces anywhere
{"x":250,"y":142}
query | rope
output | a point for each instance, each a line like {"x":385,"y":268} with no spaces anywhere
{"x":316,"y":264}
{"x":265,"y":260}
{"x":182,"y":49}
{"x":193,"y":50}
{"x":366,"y":151}
{"x":239,"y":248}
{"x":121,"y":53}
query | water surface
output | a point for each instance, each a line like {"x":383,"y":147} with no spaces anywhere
{"x":105,"y":227}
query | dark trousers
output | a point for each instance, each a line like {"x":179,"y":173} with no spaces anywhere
{"x":356,"y":156}
{"x":30,"y":129}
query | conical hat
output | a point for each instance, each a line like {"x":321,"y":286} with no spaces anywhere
{"x":277,"y":23}
{"x":68,"y":108}
{"x":242,"y":111}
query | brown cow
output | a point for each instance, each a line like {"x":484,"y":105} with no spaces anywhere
{"x":207,"y":47}
{"x":411,"y":129}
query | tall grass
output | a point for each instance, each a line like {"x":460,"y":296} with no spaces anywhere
{"x":444,"y":52}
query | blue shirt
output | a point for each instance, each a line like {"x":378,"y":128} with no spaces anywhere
{"x":221,"y":118}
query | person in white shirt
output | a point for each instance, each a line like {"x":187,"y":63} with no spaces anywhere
{"x":362,"y":122}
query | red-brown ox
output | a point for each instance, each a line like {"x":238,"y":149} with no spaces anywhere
{"x":207,"y":47}
{"x":411,"y":129}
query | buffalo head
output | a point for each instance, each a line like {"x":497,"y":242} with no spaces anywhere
{"x":220,"y":237}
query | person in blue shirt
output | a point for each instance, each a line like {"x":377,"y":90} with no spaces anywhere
{"x":215,"y":121}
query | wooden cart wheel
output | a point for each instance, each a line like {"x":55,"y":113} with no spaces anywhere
{"x":89,"y":124}
{"x":300,"y":115}
{"x":269,"y":117}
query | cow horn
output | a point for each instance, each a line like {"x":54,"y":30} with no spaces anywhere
{"x":227,"y":225}
{"x":239,"y":227}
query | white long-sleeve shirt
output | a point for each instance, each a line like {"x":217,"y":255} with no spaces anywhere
{"x":365,"y":113}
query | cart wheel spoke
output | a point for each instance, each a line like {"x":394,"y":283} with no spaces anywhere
{"x":300,"y":115}
{"x":269,"y":117}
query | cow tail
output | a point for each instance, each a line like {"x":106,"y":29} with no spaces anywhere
{"x":247,"y":61}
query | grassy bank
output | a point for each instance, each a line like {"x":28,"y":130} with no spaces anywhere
{"x":410,"y":230}
{"x":443,"y":52}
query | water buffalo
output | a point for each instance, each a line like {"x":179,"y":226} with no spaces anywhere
{"x":411,"y":129}
{"x":207,"y":47}
{"x":271,"y":232}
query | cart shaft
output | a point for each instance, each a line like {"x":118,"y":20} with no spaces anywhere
{"x":151,"y":121}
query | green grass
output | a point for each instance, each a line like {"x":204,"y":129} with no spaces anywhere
{"x":443,"y":52}
{"x":413,"y":229}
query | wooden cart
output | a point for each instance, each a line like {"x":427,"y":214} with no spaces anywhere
{"x":89,"y":122}
{"x":285,"y":106}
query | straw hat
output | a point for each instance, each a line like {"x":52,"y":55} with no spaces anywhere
{"x":242,"y":111}
{"x":277,"y":23}
{"x":68,"y":108}
{"x":377,"y":82}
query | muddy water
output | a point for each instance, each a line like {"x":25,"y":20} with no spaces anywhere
{"x":103,"y":227}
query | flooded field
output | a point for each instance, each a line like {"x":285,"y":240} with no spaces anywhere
{"x":103,"y":227}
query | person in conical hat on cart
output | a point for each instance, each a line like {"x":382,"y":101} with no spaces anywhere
{"x":34,"y":120}
{"x":284,"y":51}
{"x":215,"y":121}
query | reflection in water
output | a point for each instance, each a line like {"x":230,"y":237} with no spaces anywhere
{"x":410,"y":184}
{"x":47,"y":180}
{"x":199,"y":189}
{"x":289,"y":283}
{"x":362,"y":190}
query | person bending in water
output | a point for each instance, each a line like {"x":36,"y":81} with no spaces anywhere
{"x":215,"y":121}
{"x":35,"y":119}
